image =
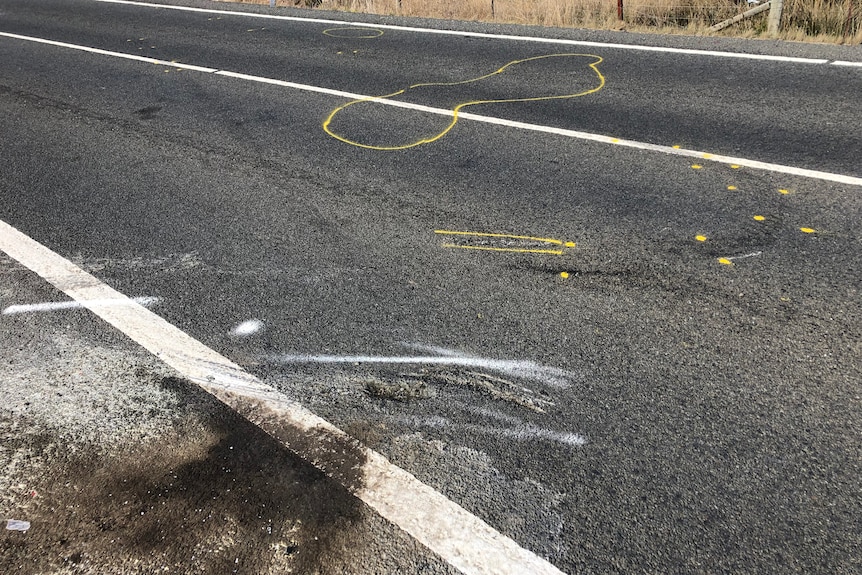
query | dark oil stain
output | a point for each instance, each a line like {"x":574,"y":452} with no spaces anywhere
{"x":149,"y":112}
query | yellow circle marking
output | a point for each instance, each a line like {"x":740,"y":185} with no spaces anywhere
{"x":700,"y":238}
{"x":696,"y":167}
{"x":455,"y":111}
{"x":725,"y":262}
{"x":807,"y":230}
{"x":731,"y":188}
{"x":564,"y":275}
{"x":354,"y":32}
{"x":759,"y":218}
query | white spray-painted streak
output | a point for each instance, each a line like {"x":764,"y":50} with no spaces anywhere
{"x":550,"y":376}
{"x":145,"y":301}
{"x":247,"y":328}
{"x":751,"y":255}
{"x":525,"y":432}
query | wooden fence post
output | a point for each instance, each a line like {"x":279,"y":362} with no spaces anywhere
{"x":774,"y":22}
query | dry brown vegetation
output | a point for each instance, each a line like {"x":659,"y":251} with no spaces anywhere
{"x":818,"y":20}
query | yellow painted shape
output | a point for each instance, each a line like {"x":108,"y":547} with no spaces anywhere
{"x":807,"y":230}
{"x":785,"y":192}
{"x":615,"y":141}
{"x":725,"y":262}
{"x":707,"y":156}
{"x":696,"y":166}
{"x":512,"y":250}
{"x":734,"y":167}
{"x":759,"y":218}
{"x":564,"y":275}
{"x":677,"y":147}
{"x":571,"y":244}
{"x":700,"y":238}
{"x":366,"y":33}
{"x":731,"y":188}
{"x":593,"y":66}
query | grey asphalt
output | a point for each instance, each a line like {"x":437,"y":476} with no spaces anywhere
{"x":719,"y":403}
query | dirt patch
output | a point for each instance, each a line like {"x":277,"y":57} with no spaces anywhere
{"x":219,"y":498}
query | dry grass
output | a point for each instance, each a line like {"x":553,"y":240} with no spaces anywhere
{"x":815,"y":20}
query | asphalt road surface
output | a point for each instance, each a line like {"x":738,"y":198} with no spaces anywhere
{"x":625,"y":358}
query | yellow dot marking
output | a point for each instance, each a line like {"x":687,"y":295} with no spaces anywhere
{"x":564,"y":275}
{"x":696,"y":167}
{"x":677,"y":147}
{"x":700,"y":238}
{"x":734,"y":166}
{"x":785,"y":192}
{"x":457,"y":109}
{"x":807,"y":230}
{"x":725,"y":262}
{"x":707,"y":156}
{"x":571,"y":244}
{"x":759,"y":218}
{"x":731,"y":188}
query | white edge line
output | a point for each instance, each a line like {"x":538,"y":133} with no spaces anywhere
{"x":779,"y":168}
{"x":845,"y":63}
{"x":460,"y":538}
{"x":536,"y":39}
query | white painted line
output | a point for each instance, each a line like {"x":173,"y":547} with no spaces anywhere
{"x":525,"y":369}
{"x":535,"y":39}
{"x":134,"y":57}
{"x":64,"y":305}
{"x":845,"y":63}
{"x":779,"y":168}
{"x":745,"y":256}
{"x":460,"y":538}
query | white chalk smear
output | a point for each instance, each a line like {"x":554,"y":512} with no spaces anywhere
{"x":17,"y":525}
{"x":145,"y":301}
{"x":523,"y":432}
{"x":524,"y":369}
{"x":247,"y":328}
{"x":751,"y":255}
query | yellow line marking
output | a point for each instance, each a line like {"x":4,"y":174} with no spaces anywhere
{"x":513,"y":250}
{"x":593,"y":66}
{"x":725,"y":261}
{"x":700,"y":238}
{"x":506,"y":236}
{"x":807,"y":230}
{"x":696,"y":166}
{"x":759,"y":218}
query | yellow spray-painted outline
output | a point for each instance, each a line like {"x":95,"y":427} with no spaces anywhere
{"x":506,"y":236}
{"x":329,"y":32}
{"x":459,"y":107}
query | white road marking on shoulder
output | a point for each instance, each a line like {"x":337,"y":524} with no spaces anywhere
{"x":845,"y":63}
{"x":536,"y":39}
{"x":779,"y":168}
{"x":460,"y":538}
{"x":145,"y":301}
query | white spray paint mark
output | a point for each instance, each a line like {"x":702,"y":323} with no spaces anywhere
{"x":751,"y":255}
{"x":17,"y":525}
{"x":524,"y":369}
{"x":447,"y":529}
{"x":575,"y":134}
{"x":524,"y":432}
{"x":247,"y":328}
{"x":145,"y":301}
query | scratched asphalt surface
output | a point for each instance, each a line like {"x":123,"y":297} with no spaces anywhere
{"x":670,"y":413}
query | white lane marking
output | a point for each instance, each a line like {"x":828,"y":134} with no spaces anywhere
{"x":558,"y":41}
{"x":526,"y":369}
{"x":845,"y":63}
{"x":460,"y":538}
{"x":145,"y":301}
{"x":108,"y":53}
{"x":779,"y":168}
